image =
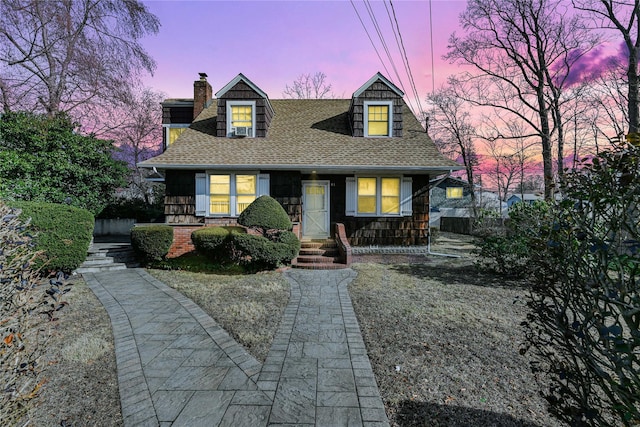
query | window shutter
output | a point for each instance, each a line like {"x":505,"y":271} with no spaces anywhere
{"x":201,"y":194}
{"x":351,"y":196}
{"x":263,"y":184}
{"x":406,"y":196}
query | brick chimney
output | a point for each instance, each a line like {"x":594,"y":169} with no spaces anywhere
{"x":202,"y":94}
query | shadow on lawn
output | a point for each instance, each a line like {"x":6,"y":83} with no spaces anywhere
{"x":422,"y":414}
{"x":458,"y":274}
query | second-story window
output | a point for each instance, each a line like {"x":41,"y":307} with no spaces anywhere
{"x":241,"y":118}
{"x":454,"y":192}
{"x":377,"y":117}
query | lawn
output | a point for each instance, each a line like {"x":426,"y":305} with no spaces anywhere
{"x":444,"y":342}
{"x":249,"y":307}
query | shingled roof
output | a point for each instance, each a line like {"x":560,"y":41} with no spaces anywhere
{"x":310,"y":134}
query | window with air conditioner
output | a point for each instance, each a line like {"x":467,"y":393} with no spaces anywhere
{"x":241,"y":118}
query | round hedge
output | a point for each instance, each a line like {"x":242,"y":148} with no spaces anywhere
{"x":260,"y":252}
{"x":152,"y":242}
{"x":213,"y":242}
{"x":265,"y":212}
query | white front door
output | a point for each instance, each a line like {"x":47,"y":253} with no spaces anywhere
{"x":315,"y":209}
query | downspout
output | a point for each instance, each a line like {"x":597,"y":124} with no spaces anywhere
{"x":429,"y":210}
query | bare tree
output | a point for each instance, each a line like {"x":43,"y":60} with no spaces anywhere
{"x":451,"y":129}
{"x":621,"y":16}
{"x":139,"y":135}
{"x":502,"y":167}
{"x":308,"y":86}
{"x":522,"y":54}
{"x":59,"y":55}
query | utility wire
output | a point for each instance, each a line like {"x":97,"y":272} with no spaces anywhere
{"x":372,"y":43}
{"x":433,"y":72}
{"x":382,"y":40}
{"x":406,"y":59}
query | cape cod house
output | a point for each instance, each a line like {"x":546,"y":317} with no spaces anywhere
{"x":364,"y":162}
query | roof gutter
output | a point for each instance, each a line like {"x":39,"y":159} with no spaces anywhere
{"x":434,"y":170}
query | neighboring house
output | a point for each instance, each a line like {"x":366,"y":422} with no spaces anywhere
{"x":450,"y":197}
{"x":364,"y":162}
{"x":529,"y":198}
{"x":450,"y":193}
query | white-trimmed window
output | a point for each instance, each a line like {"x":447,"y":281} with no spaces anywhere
{"x":379,"y":196}
{"x":172,"y":132}
{"x":378,"y":118}
{"x":454,"y":192}
{"x":228,"y":194}
{"x":241,"y":118}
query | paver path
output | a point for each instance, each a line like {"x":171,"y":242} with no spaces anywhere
{"x":178,"y":367}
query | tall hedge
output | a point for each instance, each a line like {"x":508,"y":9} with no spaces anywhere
{"x":48,"y":159}
{"x":63,"y":233}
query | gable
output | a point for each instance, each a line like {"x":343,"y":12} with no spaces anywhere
{"x":242,"y":90}
{"x":377,"y":90}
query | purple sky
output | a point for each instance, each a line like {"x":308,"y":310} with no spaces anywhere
{"x":273,"y":42}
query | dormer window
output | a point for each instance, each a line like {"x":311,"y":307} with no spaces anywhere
{"x":241,"y":118}
{"x":378,"y":118}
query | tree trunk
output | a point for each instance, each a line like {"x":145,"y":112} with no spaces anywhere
{"x":632,"y":75}
{"x":547,"y":156}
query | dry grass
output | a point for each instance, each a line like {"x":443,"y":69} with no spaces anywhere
{"x":443,"y":340}
{"x":81,"y":387}
{"x":249,"y":307}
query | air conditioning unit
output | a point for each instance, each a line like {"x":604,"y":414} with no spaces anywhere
{"x":241,"y":131}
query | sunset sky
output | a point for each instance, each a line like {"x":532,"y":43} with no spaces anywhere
{"x":273,"y":42}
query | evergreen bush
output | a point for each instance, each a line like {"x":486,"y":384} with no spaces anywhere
{"x":259,"y":252}
{"x":265,"y":213}
{"x":213,"y":242}
{"x":584,"y":306}
{"x":151,"y":242}
{"x":136,"y":209}
{"x":62,"y":233}
{"x":508,"y":250}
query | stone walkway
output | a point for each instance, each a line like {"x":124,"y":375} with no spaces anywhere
{"x":178,"y":367}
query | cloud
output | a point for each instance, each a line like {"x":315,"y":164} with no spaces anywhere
{"x":590,"y":65}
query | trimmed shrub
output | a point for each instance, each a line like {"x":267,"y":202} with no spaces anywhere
{"x":259,"y":252}
{"x":265,"y":213}
{"x":213,"y":242}
{"x":63,"y":233}
{"x":290,"y":246}
{"x":152,"y":242}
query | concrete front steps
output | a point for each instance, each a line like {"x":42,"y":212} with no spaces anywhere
{"x":108,"y":256}
{"x":318,"y":255}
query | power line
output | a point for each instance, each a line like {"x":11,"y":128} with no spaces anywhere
{"x":406,"y":59}
{"x":433,"y":71}
{"x":372,"y":43}
{"x":401,"y":48}
{"x":381,"y":37}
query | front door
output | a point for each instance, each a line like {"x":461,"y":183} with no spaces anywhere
{"x":315,"y":209}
